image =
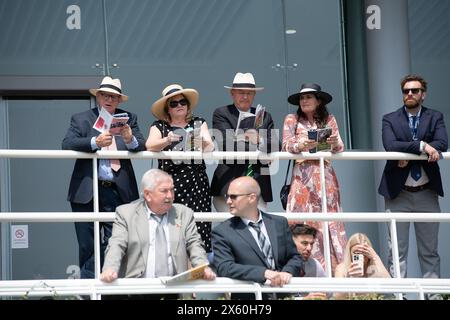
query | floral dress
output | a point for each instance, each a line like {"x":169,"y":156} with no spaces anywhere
{"x":191,"y":183}
{"x":306,"y":193}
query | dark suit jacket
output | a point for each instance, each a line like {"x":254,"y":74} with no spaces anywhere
{"x":237,"y":255}
{"x":78,"y":138}
{"x":225,"y":120}
{"x":397,"y":137}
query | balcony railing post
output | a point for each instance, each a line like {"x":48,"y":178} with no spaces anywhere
{"x":326,"y":233}
{"x":96,"y":223}
{"x":395,"y":255}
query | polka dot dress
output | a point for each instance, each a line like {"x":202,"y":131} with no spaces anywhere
{"x":191,"y":184}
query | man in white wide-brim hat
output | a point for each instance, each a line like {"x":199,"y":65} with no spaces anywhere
{"x":117,"y":182}
{"x":225,"y":120}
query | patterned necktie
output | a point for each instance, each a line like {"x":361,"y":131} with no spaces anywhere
{"x":249,"y":172}
{"x":416,"y":171}
{"x":264,"y":244}
{"x":161,"y":254}
{"x":115,"y":163}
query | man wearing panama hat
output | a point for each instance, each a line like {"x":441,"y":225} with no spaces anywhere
{"x":117,"y":182}
{"x":225,"y":121}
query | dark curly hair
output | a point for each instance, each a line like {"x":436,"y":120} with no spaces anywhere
{"x":414,"y":77}
{"x":320,"y":115}
{"x":303,"y":229}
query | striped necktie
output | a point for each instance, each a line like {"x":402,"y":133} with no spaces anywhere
{"x":264,"y":244}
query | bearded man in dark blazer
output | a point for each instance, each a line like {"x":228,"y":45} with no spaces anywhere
{"x":414,"y":185}
{"x":117,"y":181}
{"x":225,"y":122}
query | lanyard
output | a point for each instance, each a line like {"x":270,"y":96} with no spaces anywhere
{"x":414,"y":124}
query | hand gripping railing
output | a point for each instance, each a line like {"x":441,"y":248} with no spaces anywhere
{"x":321,"y":156}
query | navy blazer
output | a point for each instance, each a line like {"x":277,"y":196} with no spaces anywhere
{"x":237,"y":254}
{"x":397,"y":137}
{"x":78,"y":138}
{"x":225,"y":120}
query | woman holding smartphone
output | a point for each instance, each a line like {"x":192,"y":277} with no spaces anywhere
{"x":306,"y":192}
{"x":360,"y":260}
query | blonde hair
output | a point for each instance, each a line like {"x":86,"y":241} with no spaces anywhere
{"x":357,"y":238}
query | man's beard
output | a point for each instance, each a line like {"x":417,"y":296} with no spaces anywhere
{"x":411,"y":103}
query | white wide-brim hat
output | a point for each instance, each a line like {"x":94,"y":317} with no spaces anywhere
{"x":244,"y":81}
{"x":110,"y":85}
{"x":171,"y":91}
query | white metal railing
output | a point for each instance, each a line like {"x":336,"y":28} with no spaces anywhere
{"x":94,"y":287}
{"x":257,"y":155}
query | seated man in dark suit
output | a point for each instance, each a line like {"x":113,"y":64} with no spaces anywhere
{"x":253,"y":245}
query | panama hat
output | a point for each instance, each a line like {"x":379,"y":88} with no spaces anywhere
{"x":110,"y":85}
{"x":244,"y":81}
{"x":171,"y":91}
{"x":310,"y":88}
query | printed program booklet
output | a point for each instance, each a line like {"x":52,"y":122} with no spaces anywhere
{"x":248,"y":120}
{"x":321,"y":136}
{"x":113,"y":123}
{"x":191,"y":274}
{"x":118,"y":121}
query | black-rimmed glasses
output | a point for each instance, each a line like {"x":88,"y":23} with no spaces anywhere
{"x":109,"y":96}
{"x":413,"y":90}
{"x":174,"y":103}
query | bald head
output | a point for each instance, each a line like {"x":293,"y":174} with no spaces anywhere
{"x":243,"y":196}
{"x":246,"y":185}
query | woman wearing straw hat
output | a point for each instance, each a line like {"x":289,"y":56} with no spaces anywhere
{"x":305,"y":193}
{"x":178,"y":130}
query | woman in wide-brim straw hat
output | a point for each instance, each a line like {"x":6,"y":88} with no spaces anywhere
{"x":305,"y":193}
{"x":177,"y":129}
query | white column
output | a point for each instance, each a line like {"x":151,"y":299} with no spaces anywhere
{"x":388,"y":61}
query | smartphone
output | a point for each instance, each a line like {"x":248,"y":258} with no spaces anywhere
{"x":359,"y":259}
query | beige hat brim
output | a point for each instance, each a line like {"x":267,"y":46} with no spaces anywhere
{"x":94,"y":93}
{"x":158,"y":106}
{"x":241,"y":88}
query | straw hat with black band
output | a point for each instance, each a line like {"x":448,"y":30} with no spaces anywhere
{"x":170,"y":91}
{"x":112,"y":86}
{"x":244,"y":81}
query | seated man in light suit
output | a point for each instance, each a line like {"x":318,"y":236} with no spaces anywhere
{"x":253,"y":245}
{"x":133,"y":250}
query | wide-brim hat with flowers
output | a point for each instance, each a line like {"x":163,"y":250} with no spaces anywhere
{"x":314,"y":88}
{"x":171,"y":91}
{"x":244,"y":81}
{"x":110,"y":85}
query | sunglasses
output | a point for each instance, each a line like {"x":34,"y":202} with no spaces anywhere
{"x":413,"y":90}
{"x":235,"y":196}
{"x":174,"y":103}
